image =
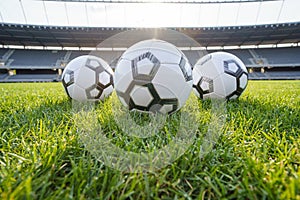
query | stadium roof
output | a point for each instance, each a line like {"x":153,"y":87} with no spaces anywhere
{"x":149,"y":13}
{"x":36,"y":35}
{"x":86,"y":23}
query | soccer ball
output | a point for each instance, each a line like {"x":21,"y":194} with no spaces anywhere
{"x":88,"y":78}
{"x":153,"y":76}
{"x":219,"y":75}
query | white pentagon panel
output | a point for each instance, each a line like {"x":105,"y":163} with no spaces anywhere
{"x":85,"y":78}
{"x":122,"y":84}
{"x":233,"y":67}
{"x":94,"y":92}
{"x":243,"y":81}
{"x":93,"y":62}
{"x":123,"y":68}
{"x":204,"y":85}
{"x":141,"y":96}
{"x":171,"y":77}
{"x":166,"y":108}
{"x":224,"y":85}
{"x":144,"y":66}
{"x":104,"y":78}
{"x":77,"y":92}
{"x":106,"y":92}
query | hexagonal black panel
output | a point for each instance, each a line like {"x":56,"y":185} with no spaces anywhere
{"x":70,"y":82}
{"x":237,"y":75}
{"x":142,"y":77}
{"x":187,"y":76}
{"x":202,"y":91}
{"x":145,"y":81}
{"x":97,"y":70}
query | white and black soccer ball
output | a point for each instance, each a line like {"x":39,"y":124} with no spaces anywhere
{"x":153,"y":76}
{"x":219,"y":75}
{"x":88,"y":78}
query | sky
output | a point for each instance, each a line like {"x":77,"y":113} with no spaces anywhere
{"x":154,"y":14}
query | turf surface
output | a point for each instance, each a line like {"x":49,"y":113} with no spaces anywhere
{"x":256,"y":156}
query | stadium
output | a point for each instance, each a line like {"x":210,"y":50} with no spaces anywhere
{"x":255,"y":154}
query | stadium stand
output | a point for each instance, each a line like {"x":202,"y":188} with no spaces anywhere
{"x":2,"y":52}
{"x":31,"y":78}
{"x":277,"y":63}
{"x":193,"y":56}
{"x":243,"y":54}
{"x":271,"y":75}
{"x":280,"y":56}
{"x":274,"y":63}
{"x":36,"y":59}
{"x":260,"y":62}
{"x":108,"y":56}
{"x":75,"y":54}
{"x":283,"y":75}
{"x":44,"y":65}
{"x":3,"y":76}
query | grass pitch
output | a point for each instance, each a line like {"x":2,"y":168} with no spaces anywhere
{"x":256,"y":156}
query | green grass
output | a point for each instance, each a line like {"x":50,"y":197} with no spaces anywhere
{"x":257,"y":155}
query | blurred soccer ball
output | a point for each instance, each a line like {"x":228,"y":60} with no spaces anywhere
{"x":88,"y":78}
{"x":219,"y":75}
{"x":153,"y":76}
